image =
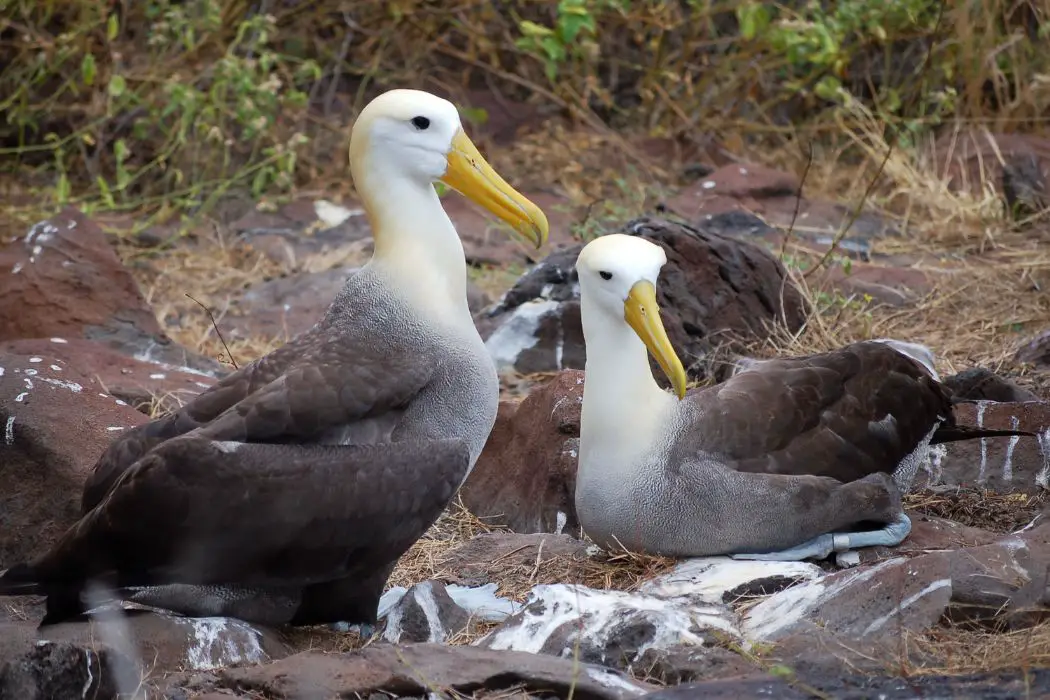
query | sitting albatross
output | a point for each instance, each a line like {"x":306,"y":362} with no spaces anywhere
{"x":774,"y":463}
{"x":287,"y":491}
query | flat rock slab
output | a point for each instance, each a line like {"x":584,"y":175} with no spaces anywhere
{"x":55,"y":423}
{"x":772,"y":194}
{"x":411,"y":670}
{"x":1007,"y":685}
{"x":863,"y":605}
{"x":144,"y":385}
{"x":692,"y":605}
{"x":612,"y":628}
{"x":158,"y":642}
{"x":63,"y":279}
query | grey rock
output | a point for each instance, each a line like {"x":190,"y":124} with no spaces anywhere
{"x":426,"y":613}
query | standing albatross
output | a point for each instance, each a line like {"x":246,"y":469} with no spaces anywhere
{"x":287,"y":492}
{"x":774,"y":463}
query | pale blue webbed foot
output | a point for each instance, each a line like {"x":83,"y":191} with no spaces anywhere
{"x":821,"y":546}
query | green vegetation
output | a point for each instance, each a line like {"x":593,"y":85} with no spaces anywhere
{"x":166,"y":105}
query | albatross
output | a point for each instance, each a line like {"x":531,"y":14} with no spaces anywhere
{"x":286,"y":493}
{"x":786,"y":460}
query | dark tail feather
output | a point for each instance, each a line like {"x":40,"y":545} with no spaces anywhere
{"x":954,"y":433}
{"x":20,"y":579}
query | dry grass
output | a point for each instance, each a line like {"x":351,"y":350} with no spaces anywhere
{"x":956,"y":650}
{"x":974,"y":507}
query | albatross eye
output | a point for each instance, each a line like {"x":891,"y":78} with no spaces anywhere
{"x":605,"y":275}
{"x":420,"y":123}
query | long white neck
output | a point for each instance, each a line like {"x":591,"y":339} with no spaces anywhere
{"x":623,"y":406}
{"x":415,"y":241}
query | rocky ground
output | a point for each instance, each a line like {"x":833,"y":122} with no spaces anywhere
{"x":102,"y":326}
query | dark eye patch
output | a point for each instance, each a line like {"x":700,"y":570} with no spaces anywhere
{"x":605,"y":275}
{"x":420,"y":123}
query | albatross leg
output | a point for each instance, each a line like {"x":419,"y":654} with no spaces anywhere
{"x":821,"y":546}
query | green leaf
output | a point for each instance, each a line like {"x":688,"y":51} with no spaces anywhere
{"x":554,"y":49}
{"x":104,"y":190}
{"x":753,"y":19}
{"x":112,"y":27}
{"x":62,"y":189}
{"x":120,"y":150}
{"x":528,"y":28}
{"x":569,"y":26}
{"x":117,"y":85}
{"x":475,"y":115}
{"x":829,"y":88}
{"x":88,"y":69}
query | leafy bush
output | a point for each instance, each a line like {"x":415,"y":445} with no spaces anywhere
{"x":172,"y":103}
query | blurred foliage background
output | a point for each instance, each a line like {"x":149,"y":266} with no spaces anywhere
{"x":167,"y":105}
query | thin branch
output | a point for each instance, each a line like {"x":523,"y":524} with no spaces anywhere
{"x":215,"y":325}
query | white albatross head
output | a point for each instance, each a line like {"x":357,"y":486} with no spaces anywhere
{"x":416,"y":137}
{"x":618,"y":276}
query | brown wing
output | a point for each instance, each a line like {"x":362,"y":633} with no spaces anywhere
{"x":278,"y":398}
{"x":194,"y":512}
{"x":845,"y":414}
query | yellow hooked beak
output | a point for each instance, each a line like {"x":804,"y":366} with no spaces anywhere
{"x":469,"y":174}
{"x":643,"y":315}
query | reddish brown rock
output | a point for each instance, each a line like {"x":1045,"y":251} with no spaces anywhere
{"x":715,"y":294}
{"x":296,"y":231}
{"x":1002,"y":464}
{"x":146,"y":386}
{"x":980,"y":384}
{"x":868,"y":605}
{"x":62,"y":279}
{"x":971,"y":159}
{"x":157,"y":641}
{"x":55,"y":423}
{"x":414,"y":670}
{"x":525,"y":477}
{"x":773,"y":195}
{"x":1036,"y":351}
{"x":884,"y":284}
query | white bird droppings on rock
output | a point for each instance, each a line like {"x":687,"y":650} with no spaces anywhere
{"x":72,"y":386}
{"x":518,"y":333}
{"x":36,"y":359}
{"x":157,"y":376}
{"x":482,"y":602}
{"x":221,"y":641}
{"x":561,"y":614}
{"x":9,"y":431}
{"x":59,"y":340}
{"x":707,"y":579}
{"x":610,"y":679}
{"x":114,"y":427}
{"x":331,"y":215}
